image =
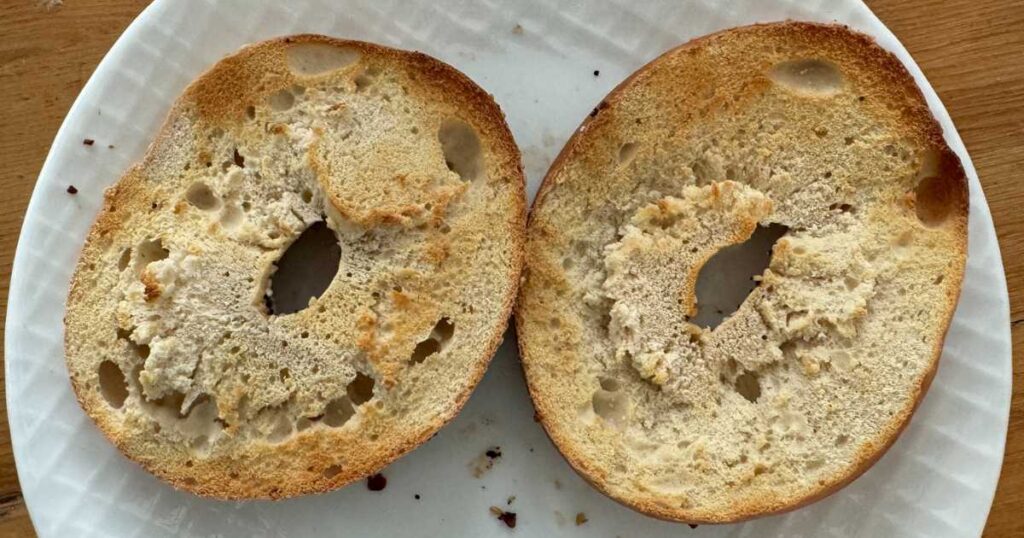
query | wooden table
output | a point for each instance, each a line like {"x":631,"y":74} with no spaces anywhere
{"x":971,"y":50}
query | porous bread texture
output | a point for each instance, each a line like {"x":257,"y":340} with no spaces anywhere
{"x":170,"y":344}
{"x":809,"y":126}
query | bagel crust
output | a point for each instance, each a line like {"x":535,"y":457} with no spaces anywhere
{"x":809,"y":128}
{"x":177,"y":341}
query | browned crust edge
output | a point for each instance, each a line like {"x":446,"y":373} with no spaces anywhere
{"x":874,"y":449}
{"x":503,"y":146}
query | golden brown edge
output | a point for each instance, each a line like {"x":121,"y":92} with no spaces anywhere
{"x":874,"y":449}
{"x":503,"y":145}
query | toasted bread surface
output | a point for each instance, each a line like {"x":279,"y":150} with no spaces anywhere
{"x":810,"y":127}
{"x":176,"y":343}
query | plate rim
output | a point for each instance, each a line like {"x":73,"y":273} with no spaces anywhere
{"x":18,"y":299}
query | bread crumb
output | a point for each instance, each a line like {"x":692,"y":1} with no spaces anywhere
{"x":508,"y":518}
{"x":88,"y":141}
{"x":581,"y":518}
{"x":72,"y":189}
{"x":511,"y":499}
{"x":376,"y":482}
{"x":517,"y":29}
{"x":479,"y":465}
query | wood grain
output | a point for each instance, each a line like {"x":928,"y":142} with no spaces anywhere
{"x":972,"y":51}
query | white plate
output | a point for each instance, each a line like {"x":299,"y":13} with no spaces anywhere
{"x":938,"y":480}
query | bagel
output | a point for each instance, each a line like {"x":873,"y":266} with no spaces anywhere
{"x":385,"y":183}
{"x":808,"y":141}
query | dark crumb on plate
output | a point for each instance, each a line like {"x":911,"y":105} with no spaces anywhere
{"x":417,"y":496}
{"x":72,"y":189}
{"x":511,"y":499}
{"x":581,"y":518}
{"x":692,"y":526}
{"x":376,"y":482}
{"x":508,"y":518}
{"x":88,"y":141}
{"x":517,"y":29}
{"x":479,"y":465}
{"x":597,"y":73}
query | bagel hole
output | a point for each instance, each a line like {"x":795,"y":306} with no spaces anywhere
{"x":172,"y":402}
{"x":811,"y":77}
{"x":935,"y":198}
{"x":748,"y":385}
{"x":627,"y":152}
{"x":611,"y":406}
{"x":281,"y":100}
{"x":363,"y":82}
{"x":126,"y":257}
{"x":337,"y":412}
{"x":141,"y":351}
{"x":202,"y":197}
{"x":304,"y":271}
{"x":727,"y":278}
{"x":461,"y":148}
{"x":308,"y":59}
{"x":113,"y":384}
{"x":435,"y":342}
{"x":150,"y":251}
{"x":360,"y":389}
